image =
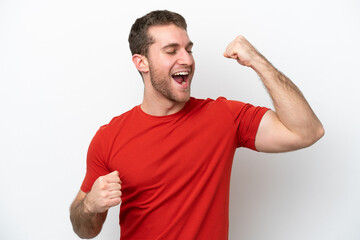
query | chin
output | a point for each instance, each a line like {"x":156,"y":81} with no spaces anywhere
{"x":182,"y":99}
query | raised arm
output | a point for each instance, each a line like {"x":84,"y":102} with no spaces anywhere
{"x":293,"y":125}
{"x":88,"y":211}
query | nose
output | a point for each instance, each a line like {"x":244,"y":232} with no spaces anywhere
{"x":186,"y":58}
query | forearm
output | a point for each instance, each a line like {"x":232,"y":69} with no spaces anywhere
{"x":85,"y":224}
{"x":290,"y":105}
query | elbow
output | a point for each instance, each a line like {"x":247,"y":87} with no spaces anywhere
{"x":87,"y":232}
{"x":313,"y":136}
{"x":85,"y":235}
{"x":321,"y":132}
{"x":82,"y":226}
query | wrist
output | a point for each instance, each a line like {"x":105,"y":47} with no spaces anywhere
{"x":262,"y":66}
{"x":260,"y":62}
{"x":87,"y":206}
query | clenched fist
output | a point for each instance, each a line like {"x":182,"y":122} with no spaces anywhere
{"x":105,"y":193}
{"x":242,"y":50}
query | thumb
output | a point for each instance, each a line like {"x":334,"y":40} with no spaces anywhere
{"x":232,"y":55}
{"x":115,"y":176}
{"x":114,"y":173}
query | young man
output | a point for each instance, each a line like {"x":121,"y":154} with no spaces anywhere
{"x":168,"y":161}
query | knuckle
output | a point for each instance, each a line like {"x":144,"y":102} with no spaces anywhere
{"x":104,"y":195}
{"x":103,"y":186}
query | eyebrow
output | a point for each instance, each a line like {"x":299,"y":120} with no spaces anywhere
{"x":176,"y":45}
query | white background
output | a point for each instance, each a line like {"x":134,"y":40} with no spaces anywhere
{"x":65,"y":69}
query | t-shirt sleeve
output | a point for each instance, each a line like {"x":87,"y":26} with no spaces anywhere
{"x":247,"y":120}
{"x":96,"y":164}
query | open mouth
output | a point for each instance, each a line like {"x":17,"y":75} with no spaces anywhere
{"x":181,"y":77}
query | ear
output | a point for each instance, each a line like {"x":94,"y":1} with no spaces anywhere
{"x":141,"y":63}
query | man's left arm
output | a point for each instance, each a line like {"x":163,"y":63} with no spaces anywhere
{"x":293,"y":124}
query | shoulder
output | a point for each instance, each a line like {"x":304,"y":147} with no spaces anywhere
{"x":209,"y":101}
{"x":116,"y":123}
{"x":217,"y":109}
{"x":219,"y":104}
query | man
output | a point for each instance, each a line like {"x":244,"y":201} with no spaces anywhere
{"x":168,"y":161}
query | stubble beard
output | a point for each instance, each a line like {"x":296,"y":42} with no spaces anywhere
{"x":162,"y":84}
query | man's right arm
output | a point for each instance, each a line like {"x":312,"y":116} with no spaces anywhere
{"x":85,"y":224}
{"x":88,"y":211}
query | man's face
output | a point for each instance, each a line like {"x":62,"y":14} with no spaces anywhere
{"x":171,"y":64}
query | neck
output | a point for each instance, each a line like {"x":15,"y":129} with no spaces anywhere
{"x":160,"y":107}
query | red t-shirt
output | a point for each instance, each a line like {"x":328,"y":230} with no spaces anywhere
{"x":175,"y":169}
